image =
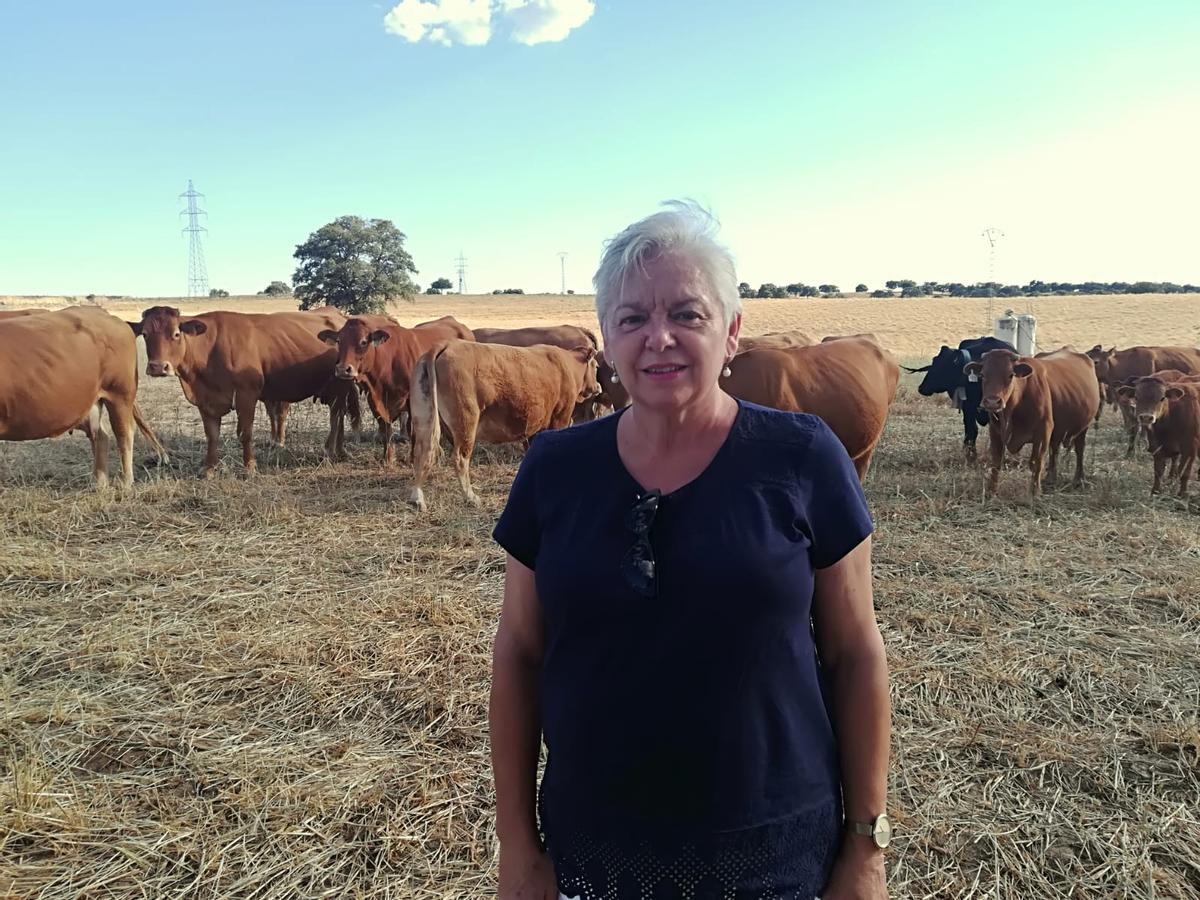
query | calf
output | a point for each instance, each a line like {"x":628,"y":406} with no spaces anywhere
{"x":60,"y":370}
{"x":1116,"y":367}
{"x":1047,"y":401}
{"x":493,"y":393}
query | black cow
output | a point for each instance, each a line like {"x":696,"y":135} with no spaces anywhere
{"x":945,"y":373}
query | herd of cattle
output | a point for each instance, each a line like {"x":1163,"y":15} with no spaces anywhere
{"x":62,"y":368}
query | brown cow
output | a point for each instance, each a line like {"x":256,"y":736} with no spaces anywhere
{"x":59,"y":370}
{"x":1114,"y":368}
{"x":229,"y":361}
{"x":18,"y":313}
{"x":1048,"y":401}
{"x":865,"y":335}
{"x":493,"y":393}
{"x":775,"y":340}
{"x":449,"y":327}
{"x":849,"y":383}
{"x":1172,"y":413}
{"x":382,"y":359}
{"x":566,"y":336}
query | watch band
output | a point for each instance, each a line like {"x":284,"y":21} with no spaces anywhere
{"x":866,"y":829}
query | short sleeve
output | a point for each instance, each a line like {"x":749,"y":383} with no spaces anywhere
{"x":838,"y":517}
{"x":519,"y":528}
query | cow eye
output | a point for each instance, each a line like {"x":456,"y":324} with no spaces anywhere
{"x":364,"y":344}
{"x":176,"y":336}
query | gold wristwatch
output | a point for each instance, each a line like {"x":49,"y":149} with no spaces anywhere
{"x":879,"y":831}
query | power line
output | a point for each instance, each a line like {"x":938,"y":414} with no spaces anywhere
{"x":461,"y":265}
{"x":562,"y":263}
{"x":197,"y":270}
{"x":992,"y":236}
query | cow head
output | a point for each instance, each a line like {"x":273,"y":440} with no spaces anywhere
{"x":944,"y":373}
{"x":1150,"y":396}
{"x":165,"y":335}
{"x":998,"y":372}
{"x":353,"y":342}
{"x":591,"y":384}
{"x":1102,"y":359}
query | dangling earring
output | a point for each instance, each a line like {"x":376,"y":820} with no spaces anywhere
{"x":615,"y":379}
{"x":726,"y":372}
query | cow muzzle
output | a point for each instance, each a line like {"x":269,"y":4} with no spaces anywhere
{"x":1147,"y":418}
{"x":992,"y":404}
{"x":159,"y":369}
{"x":349,"y":373}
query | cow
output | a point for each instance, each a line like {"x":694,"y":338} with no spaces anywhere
{"x":865,"y":335}
{"x":60,"y":370}
{"x":1171,"y":411}
{"x":18,"y":313}
{"x":775,"y":340}
{"x":849,"y":383}
{"x":1115,"y":367}
{"x":1048,"y":401}
{"x":494,"y":393}
{"x":449,"y":327}
{"x":566,"y":336}
{"x":944,"y":374}
{"x":380,"y":357}
{"x":229,"y":361}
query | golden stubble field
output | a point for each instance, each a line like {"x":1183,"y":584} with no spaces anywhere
{"x":276,"y":687}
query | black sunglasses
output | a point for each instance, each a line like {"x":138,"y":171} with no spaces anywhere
{"x":637,"y":567}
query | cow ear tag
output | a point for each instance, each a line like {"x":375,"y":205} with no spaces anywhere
{"x":972,"y":377}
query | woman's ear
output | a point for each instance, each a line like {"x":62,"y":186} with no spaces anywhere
{"x":735,"y":329}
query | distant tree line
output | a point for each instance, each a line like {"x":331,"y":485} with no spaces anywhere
{"x":508,"y":291}
{"x":906,"y":287}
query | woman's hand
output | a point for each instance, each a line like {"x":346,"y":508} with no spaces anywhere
{"x":526,"y":874}
{"x":858,"y":873}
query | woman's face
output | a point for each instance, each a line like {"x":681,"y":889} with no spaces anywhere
{"x":667,"y":339}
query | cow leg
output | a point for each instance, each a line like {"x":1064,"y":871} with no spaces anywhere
{"x":1080,"y":445}
{"x":1185,"y":474}
{"x":389,"y":449}
{"x":970,"y":435}
{"x":1052,"y":467}
{"x":462,"y":464}
{"x":1037,"y":464}
{"x":245,"y":405}
{"x":995,"y":461}
{"x":279,"y":423}
{"x":212,"y":434}
{"x":1160,"y":463}
{"x":120,"y":417}
{"x":93,"y":427}
{"x":335,"y":444}
{"x":1131,"y":428}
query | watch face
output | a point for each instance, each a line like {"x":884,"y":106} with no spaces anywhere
{"x":883,"y":831}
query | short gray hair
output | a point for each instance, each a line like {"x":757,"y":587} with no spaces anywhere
{"x":684,"y":227}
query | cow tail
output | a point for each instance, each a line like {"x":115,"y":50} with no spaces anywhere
{"x":150,"y":436}
{"x":424,"y":420}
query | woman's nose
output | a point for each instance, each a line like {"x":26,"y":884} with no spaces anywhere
{"x":660,"y":337}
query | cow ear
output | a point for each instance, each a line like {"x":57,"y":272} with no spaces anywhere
{"x":380,"y":337}
{"x":136,"y":327}
{"x":973,"y":368}
{"x":1126,"y":391}
{"x":1022,"y":370}
{"x":1096,"y":349}
{"x":1174,"y":393}
{"x":193,"y":327}
{"x":328,"y":337}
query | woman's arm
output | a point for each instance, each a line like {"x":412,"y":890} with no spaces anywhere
{"x":855,"y":665}
{"x":514,"y":717}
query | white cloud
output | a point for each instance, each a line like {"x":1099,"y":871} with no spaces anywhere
{"x":443,"y":22}
{"x":472,"y":22}
{"x":542,"y":21}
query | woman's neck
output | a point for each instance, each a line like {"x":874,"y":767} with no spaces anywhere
{"x":655,"y":433}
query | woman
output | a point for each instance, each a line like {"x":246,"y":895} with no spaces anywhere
{"x":687,"y":622}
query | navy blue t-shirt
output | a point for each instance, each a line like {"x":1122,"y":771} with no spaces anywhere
{"x":689,"y":748}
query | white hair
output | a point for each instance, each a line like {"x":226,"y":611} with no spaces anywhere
{"x":683,"y":228}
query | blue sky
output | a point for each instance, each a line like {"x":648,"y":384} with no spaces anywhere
{"x":836,"y":142}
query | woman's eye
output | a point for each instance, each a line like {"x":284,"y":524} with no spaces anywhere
{"x":632,"y":320}
{"x":688,"y":315}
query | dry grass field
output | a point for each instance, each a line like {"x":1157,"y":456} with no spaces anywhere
{"x":277,"y":687}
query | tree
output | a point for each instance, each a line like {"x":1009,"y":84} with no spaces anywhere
{"x":217,"y":292}
{"x":860,"y":288}
{"x":277,"y":289}
{"x":355,"y":264}
{"x":828,"y":289}
{"x":745,"y":291}
{"x":881,"y":293}
{"x":440,"y":284}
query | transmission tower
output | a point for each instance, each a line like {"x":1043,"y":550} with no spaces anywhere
{"x":992,"y":236}
{"x":461,"y":265}
{"x":197,"y":271}
{"x":562,"y":264}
